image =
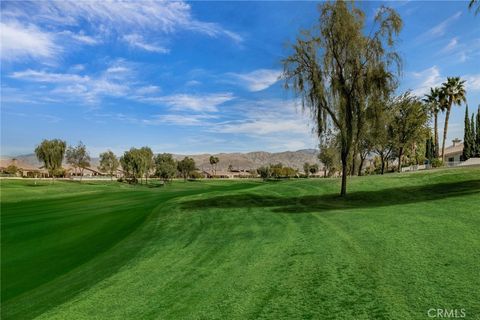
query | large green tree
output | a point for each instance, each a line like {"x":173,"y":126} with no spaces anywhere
{"x":186,"y":167}
{"x":383,"y":135}
{"x":51,"y":153}
{"x":409,"y":123}
{"x":335,"y":67}
{"x":78,"y":157}
{"x":454,"y":93}
{"x":109,"y":163}
{"x":435,"y":101}
{"x":146,"y":162}
{"x":137,"y":163}
{"x":165,"y":166}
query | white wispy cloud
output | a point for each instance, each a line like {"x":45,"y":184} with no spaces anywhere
{"x":137,"y":41}
{"x":180,"y":119}
{"x":452,"y":44}
{"x":19,"y":41}
{"x":197,"y":102}
{"x":78,"y":88}
{"x":43,"y":76}
{"x":264,"y":126}
{"x":440,"y":29}
{"x":151,"y":19}
{"x":472,"y":82}
{"x":266,"y":117}
{"x":422,"y":81}
{"x":257,"y":80}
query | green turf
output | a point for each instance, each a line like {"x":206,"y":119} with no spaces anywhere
{"x":397,"y":246}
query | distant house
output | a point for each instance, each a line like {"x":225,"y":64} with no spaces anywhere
{"x":24,"y":169}
{"x":454,"y":152}
{"x":223,"y":174}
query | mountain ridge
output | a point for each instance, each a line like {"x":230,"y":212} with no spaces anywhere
{"x":238,"y":160}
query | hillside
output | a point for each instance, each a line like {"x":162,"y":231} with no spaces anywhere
{"x":242,"y":161}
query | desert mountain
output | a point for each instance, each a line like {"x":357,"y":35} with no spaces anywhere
{"x":239,"y":161}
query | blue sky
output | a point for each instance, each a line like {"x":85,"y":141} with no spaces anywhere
{"x":192,"y":77}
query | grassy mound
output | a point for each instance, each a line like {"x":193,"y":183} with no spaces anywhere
{"x":396,"y":247}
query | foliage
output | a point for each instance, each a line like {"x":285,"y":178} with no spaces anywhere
{"x":469,"y":148}
{"x":409,"y":123}
{"x":265,"y":172}
{"x":109,"y":163}
{"x":336,"y":68}
{"x":329,"y":156}
{"x":165,"y":166}
{"x":473,"y":4}
{"x":453,"y":91}
{"x":137,"y":163}
{"x":51,"y":153}
{"x":213,"y":162}
{"x":477,"y":135}
{"x":435,"y":102}
{"x":186,"y":167}
{"x":306,"y":168}
{"x":78,"y":157}
{"x":430,"y":150}
{"x":313,"y":168}
{"x":310,"y":168}
{"x":11,"y":169}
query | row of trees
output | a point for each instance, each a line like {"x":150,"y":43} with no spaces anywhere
{"x":277,"y":171}
{"x":137,"y":164}
{"x":347,"y":80}
{"x":471,"y":138}
{"x":343,"y":75}
{"x":441,"y":99}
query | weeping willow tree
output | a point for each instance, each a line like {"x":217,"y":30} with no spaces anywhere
{"x":51,"y":153}
{"x":338,"y":66}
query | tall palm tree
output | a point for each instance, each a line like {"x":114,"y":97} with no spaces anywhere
{"x":436,"y":103}
{"x":454,"y":92}
{"x":473,"y":4}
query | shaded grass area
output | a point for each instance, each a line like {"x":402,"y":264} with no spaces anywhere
{"x":332,"y":201}
{"x":396,"y":247}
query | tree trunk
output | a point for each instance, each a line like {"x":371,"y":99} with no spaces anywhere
{"x":354,"y":157}
{"x":383,"y":164}
{"x":436,"y":134}
{"x":362,"y":159}
{"x":445,"y":130}
{"x":400,"y":153}
{"x":343,"y":191}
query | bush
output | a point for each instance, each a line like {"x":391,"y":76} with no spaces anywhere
{"x":11,"y":169}
{"x":436,"y":163}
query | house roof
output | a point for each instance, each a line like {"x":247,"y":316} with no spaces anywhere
{"x":453,"y":150}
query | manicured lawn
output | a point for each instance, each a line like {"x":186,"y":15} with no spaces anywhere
{"x":397,"y":246}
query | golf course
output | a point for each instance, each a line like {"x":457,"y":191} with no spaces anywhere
{"x":395,"y":247}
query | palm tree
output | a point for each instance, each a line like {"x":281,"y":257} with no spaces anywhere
{"x":436,"y":103}
{"x":454,"y":92}
{"x":474,"y":3}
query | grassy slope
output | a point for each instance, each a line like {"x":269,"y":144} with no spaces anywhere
{"x":396,"y":247}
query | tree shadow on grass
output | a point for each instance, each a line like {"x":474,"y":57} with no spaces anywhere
{"x":332,"y":201}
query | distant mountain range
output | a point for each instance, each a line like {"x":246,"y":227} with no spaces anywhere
{"x":238,"y":161}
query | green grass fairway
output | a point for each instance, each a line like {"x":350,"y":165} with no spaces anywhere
{"x":398,"y":246}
